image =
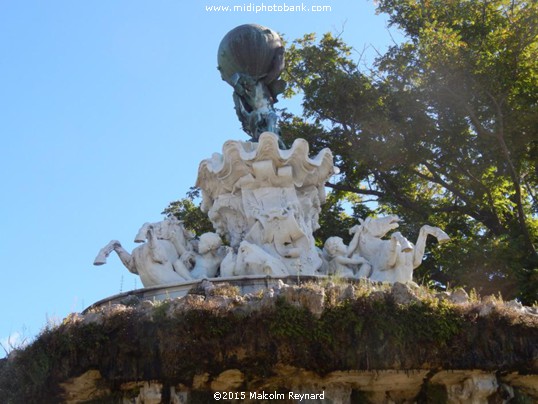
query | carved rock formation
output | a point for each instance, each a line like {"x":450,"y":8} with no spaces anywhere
{"x":353,"y":342}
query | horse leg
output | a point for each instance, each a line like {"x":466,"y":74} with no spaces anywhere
{"x":439,"y":234}
{"x":406,"y":246}
{"x":420,"y":245}
{"x":394,"y":246}
{"x":105,"y":252}
{"x":179,"y":240}
{"x":157,"y":254}
{"x":125,"y":257}
{"x":181,"y":270}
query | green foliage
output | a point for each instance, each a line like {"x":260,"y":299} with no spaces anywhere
{"x":291,"y":322}
{"x":356,"y":329}
{"x":160,"y":309}
{"x":362,"y":333}
{"x":334,"y":220}
{"x":191,"y":214}
{"x":442,"y":130}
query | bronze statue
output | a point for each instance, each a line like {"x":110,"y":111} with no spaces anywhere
{"x":250,"y":59}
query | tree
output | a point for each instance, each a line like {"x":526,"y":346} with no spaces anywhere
{"x":190,"y":213}
{"x":443,"y":129}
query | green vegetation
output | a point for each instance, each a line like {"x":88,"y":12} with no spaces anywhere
{"x":173,"y":341}
{"x":442,"y":129}
{"x":192,"y":216}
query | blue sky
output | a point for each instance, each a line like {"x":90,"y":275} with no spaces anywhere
{"x":106,"y":109}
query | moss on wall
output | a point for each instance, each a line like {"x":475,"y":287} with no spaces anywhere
{"x":172,"y":343}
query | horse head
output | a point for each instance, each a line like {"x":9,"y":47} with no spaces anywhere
{"x":166,"y":229}
{"x":142,"y":233}
{"x":379,"y":227}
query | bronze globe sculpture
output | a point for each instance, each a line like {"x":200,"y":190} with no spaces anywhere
{"x":250,"y":59}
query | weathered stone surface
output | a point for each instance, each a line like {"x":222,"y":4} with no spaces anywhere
{"x":150,"y":393}
{"x":229,"y":380}
{"x":349,"y":340}
{"x":312,"y":299}
{"x":467,"y":386}
{"x":403,"y":294}
{"x":527,"y":383}
{"x":385,"y":386}
{"x":459,"y":296}
{"x":86,"y":387}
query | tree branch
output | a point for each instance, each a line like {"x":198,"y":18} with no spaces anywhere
{"x":355,"y":190}
{"x":513,"y":174}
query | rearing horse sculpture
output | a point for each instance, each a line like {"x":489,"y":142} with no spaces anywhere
{"x":395,"y":259}
{"x":157,"y":261}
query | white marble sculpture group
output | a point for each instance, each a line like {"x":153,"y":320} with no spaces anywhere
{"x":265,"y":202}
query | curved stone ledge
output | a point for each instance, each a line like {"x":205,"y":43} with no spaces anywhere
{"x":246,"y":284}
